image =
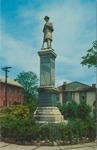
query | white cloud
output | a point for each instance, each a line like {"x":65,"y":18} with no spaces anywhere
{"x":20,"y":54}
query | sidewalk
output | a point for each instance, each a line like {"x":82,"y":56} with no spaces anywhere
{"x":86,"y":146}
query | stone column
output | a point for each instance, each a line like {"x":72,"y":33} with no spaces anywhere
{"x":48,"y":93}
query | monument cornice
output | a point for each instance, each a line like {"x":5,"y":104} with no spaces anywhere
{"x":42,"y":88}
{"x":46,"y":52}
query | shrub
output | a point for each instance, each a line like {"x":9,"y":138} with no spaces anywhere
{"x":63,"y":130}
{"x":72,"y":110}
{"x":90,"y":128}
{"x":45,"y":132}
{"x":19,"y":128}
{"x":83,"y":110}
{"x":94,"y":113}
{"x":18,"y":110}
{"x":19,"y":123}
{"x":32,"y":105}
{"x":69,"y":110}
{"x":50,"y":132}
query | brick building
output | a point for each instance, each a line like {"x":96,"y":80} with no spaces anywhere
{"x":14,"y":92}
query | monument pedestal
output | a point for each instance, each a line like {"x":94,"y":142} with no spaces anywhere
{"x":48,"y":94}
{"x":48,"y":115}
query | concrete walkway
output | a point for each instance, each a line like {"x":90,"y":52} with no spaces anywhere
{"x":86,"y":146}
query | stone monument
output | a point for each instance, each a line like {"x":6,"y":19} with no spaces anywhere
{"x":47,"y":111}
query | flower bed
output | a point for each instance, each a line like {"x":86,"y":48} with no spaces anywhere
{"x":20,"y":127}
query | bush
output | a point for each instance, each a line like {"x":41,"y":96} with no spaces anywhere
{"x":83,"y":110}
{"x":90,"y":128}
{"x":94,"y":113}
{"x":32,"y":105}
{"x":45,"y":132}
{"x":69,"y":110}
{"x":19,"y":128}
{"x":19,"y":124}
{"x":25,"y":129}
{"x":72,"y":110}
{"x":18,"y":110}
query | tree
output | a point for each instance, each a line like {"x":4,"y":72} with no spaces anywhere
{"x":29,"y":81}
{"x":91,"y":57}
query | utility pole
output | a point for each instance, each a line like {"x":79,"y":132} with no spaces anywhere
{"x":6,"y":71}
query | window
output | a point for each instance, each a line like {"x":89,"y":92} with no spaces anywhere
{"x":15,"y":91}
{"x":73,"y":95}
{"x":82,"y":96}
{"x":4,"y":89}
{"x":10,"y":90}
{"x":21,"y":92}
{"x":68,"y":96}
{"x":4,"y":103}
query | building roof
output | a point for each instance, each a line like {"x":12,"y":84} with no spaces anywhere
{"x":76,"y":86}
{"x":10,"y":81}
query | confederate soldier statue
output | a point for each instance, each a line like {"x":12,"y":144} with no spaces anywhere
{"x":48,"y":29}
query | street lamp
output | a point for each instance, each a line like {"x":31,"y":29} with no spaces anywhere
{"x":6,"y":71}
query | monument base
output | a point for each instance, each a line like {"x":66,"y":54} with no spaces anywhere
{"x":48,"y":115}
{"x":48,"y":96}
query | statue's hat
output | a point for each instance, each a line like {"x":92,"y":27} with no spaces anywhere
{"x":46,"y":17}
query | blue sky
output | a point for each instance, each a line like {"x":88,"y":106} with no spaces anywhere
{"x":21,"y":25}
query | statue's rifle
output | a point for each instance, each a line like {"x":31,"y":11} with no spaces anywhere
{"x":43,"y":43}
